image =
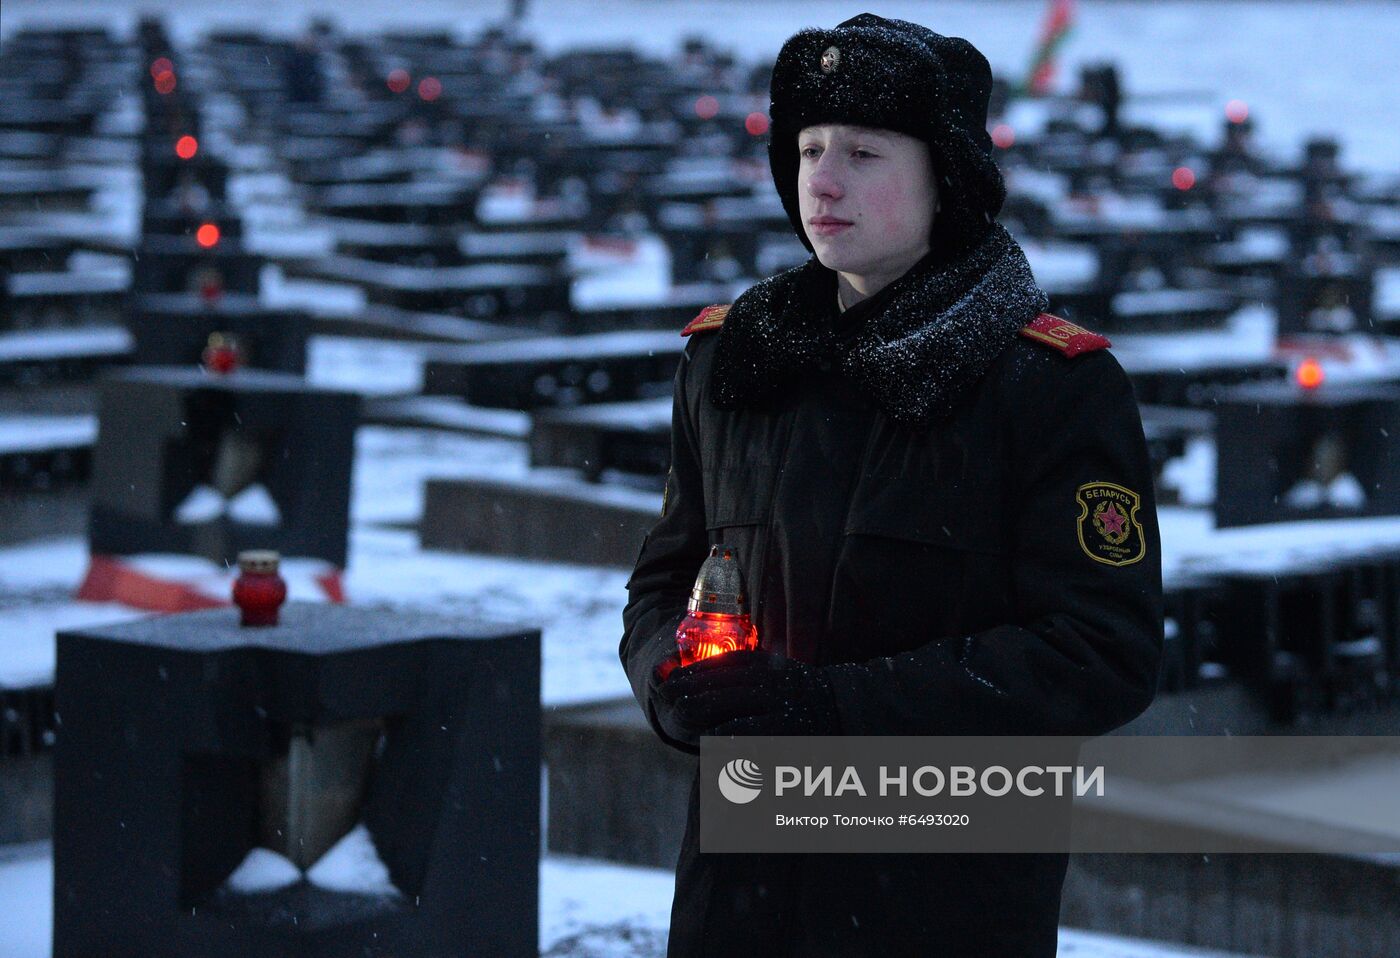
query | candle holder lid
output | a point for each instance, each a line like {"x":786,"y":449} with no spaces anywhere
{"x":258,"y":561}
{"x":719,"y":586}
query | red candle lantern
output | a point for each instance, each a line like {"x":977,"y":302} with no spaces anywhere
{"x":259,"y":591}
{"x":717,"y":616}
{"x":221,"y":355}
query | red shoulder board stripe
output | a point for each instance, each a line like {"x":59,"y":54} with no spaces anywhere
{"x":1063,"y":335}
{"x":711,"y":317}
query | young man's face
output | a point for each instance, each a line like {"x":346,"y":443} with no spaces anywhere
{"x":867,"y":198}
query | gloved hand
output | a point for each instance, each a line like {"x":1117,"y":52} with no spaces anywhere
{"x":749,"y":693}
{"x":682,"y":734}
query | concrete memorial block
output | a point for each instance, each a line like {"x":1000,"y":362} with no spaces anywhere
{"x":57,"y":299}
{"x":46,"y":356}
{"x":26,"y":762}
{"x":182,"y":264}
{"x":172,"y":329}
{"x":404,"y":244}
{"x":1285,"y":452}
{"x":193,"y":462}
{"x":483,"y":291}
{"x":347,"y":782}
{"x":1191,"y":650}
{"x":555,"y":370}
{"x":704,"y":247}
{"x":421,"y":202}
{"x":39,"y":453}
{"x":620,"y":310}
{"x":1160,"y":310}
{"x":1173,"y":433}
{"x":540,"y":516}
{"x":52,"y":191}
{"x":168,"y":177}
{"x":23,"y":251}
{"x":1304,"y":637}
{"x":1177,"y":381}
{"x":623,"y":437}
{"x":172,"y":217}
{"x":1326,"y":295}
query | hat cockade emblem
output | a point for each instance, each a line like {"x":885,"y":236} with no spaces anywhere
{"x":831,"y":59}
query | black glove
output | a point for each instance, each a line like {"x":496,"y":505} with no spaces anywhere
{"x":749,"y":693}
{"x":682,"y":736}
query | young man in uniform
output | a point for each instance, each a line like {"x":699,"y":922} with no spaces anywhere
{"x":940,"y":495}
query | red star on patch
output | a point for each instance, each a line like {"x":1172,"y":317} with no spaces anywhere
{"x":1112,"y":520}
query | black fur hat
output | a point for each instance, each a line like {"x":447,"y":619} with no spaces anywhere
{"x":894,"y":75}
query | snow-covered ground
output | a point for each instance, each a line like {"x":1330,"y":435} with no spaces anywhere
{"x":588,"y":909}
{"x":1305,"y":67}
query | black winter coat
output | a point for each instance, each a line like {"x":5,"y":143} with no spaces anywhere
{"x":990,"y":568}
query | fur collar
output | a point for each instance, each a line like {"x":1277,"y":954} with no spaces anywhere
{"x":934,"y":335}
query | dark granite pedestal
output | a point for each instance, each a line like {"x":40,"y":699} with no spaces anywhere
{"x":172,"y":728}
{"x":167,"y":432}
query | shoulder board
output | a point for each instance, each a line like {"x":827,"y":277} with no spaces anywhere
{"x":1063,"y":335}
{"x":711,"y":317}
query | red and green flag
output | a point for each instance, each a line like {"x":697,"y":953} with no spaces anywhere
{"x":1059,"y":20}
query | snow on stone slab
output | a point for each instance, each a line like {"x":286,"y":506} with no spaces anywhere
{"x":320,"y":297}
{"x":27,"y":650}
{"x":1248,"y":337}
{"x":255,"y":506}
{"x":1387,"y":302}
{"x":110,"y":280}
{"x":41,"y":432}
{"x":446,"y":412}
{"x":548,"y":348}
{"x":371,"y":367}
{"x":60,"y":343}
{"x":353,"y":865}
{"x":588,"y":909}
{"x":392,"y":463}
{"x":262,"y":870}
{"x":579,"y":608}
{"x":1061,"y":265}
{"x":1192,"y":474}
{"x":1192,"y":544}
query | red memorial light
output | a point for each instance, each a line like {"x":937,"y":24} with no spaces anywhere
{"x":165,"y":82}
{"x":707,"y":107}
{"x":429,"y":89}
{"x":704,"y":634}
{"x":1309,"y":374}
{"x":1003,"y":136}
{"x":260,"y":589}
{"x":1237,"y":111}
{"x":186,"y":147}
{"x":207,"y":235}
{"x":717,"y":615}
{"x":222,"y":355}
{"x":161,"y":65}
{"x":398,"y":80}
{"x":756,"y":124}
{"x":1183,"y":178}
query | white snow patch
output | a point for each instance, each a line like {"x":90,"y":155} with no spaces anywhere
{"x":263,"y":870}
{"x":23,"y":433}
{"x":353,"y":865}
{"x":255,"y":506}
{"x":587,"y":909}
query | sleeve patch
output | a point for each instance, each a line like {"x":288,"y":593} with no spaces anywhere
{"x":1108,"y":526}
